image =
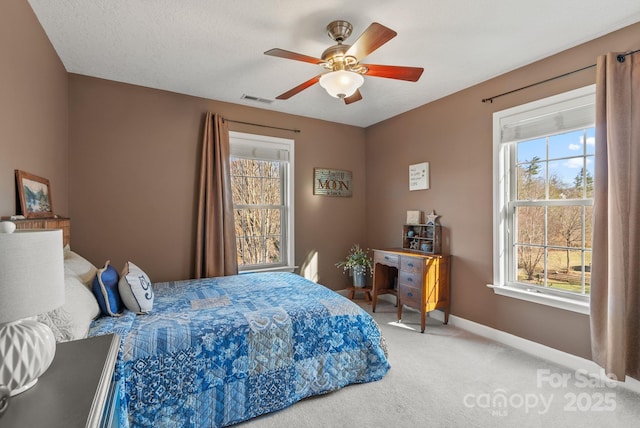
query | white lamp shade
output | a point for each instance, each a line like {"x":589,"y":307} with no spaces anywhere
{"x":31,"y":283}
{"x":341,"y":83}
{"x":31,"y":273}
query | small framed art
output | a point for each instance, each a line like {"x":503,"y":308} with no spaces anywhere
{"x":419,"y":176}
{"x":34,"y":194}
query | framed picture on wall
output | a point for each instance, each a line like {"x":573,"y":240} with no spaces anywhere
{"x":419,"y":176}
{"x":34,"y":194}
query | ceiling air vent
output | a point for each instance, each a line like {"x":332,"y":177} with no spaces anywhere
{"x":256,"y":99}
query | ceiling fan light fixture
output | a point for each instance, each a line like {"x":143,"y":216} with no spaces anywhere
{"x":341,"y":83}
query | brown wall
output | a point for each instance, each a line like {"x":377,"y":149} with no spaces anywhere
{"x":33,"y":107}
{"x":134,"y":159}
{"x":128,"y":175}
{"x":454,"y":135}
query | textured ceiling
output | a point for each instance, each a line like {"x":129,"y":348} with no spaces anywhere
{"x":214,"y":49}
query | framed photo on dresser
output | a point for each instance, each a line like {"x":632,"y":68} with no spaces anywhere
{"x":35,"y":195}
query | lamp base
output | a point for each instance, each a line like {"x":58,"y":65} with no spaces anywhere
{"x":27,"y":348}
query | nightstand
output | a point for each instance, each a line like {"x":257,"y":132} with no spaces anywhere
{"x":73,"y":392}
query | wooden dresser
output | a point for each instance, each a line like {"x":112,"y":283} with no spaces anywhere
{"x":418,"y":280}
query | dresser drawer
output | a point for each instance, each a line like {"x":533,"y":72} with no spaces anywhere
{"x":388,"y":259}
{"x":410,"y":296}
{"x":410,"y":279}
{"x":411,"y":264}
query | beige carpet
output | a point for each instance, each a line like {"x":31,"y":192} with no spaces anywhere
{"x":448,"y":377}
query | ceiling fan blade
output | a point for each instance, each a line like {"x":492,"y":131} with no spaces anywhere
{"x":373,"y":37}
{"x":411,"y":74}
{"x":281,"y":53}
{"x":301,"y":87}
{"x":357,"y":96}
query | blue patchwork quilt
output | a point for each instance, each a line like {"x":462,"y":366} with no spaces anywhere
{"x":218,"y":351}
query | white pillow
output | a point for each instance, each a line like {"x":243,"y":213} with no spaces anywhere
{"x":135,"y":289}
{"x":82,"y":305}
{"x":81,"y":266}
{"x":71,"y":321}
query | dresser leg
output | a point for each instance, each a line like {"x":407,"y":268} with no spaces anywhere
{"x":423,"y":321}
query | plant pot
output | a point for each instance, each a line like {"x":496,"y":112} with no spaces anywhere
{"x":359,"y":278}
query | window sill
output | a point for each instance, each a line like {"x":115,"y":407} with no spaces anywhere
{"x":542,"y":299}
{"x":271,"y":269}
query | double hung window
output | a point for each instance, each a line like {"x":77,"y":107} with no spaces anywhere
{"x":261,"y":177}
{"x":544,"y":160}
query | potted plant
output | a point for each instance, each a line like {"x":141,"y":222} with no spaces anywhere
{"x":357,"y":264}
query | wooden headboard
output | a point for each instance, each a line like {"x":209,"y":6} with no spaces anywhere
{"x":48,"y":223}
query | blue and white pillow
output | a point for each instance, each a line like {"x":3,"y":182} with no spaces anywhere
{"x":105,"y":288}
{"x":135,"y":289}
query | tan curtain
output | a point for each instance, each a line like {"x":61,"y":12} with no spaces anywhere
{"x":215,"y":241}
{"x":615,"y":276}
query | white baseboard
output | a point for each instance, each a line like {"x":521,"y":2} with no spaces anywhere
{"x":551,"y":354}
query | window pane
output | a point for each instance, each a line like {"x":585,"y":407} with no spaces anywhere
{"x":530,"y":225}
{"x":564,"y":226}
{"x":252,"y":250}
{"x":253,"y":191}
{"x":238,"y":172}
{"x":253,"y":222}
{"x":272,"y":247}
{"x":562,"y":175}
{"x":530,"y":177}
{"x":529,"y":150}
{"x":564,"y":270}
{"x":239,"y":219}
{"x":272,"y":191}
{"x":530,"y":263}
{"x":566,"y":145}
{"x":272,"y":170}
{"x":272,"y":221}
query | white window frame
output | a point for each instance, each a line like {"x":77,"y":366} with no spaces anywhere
{"x":502,"y":178}
{"x":241,"y":142}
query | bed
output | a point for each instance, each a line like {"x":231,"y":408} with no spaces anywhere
{"x":218,"y":351}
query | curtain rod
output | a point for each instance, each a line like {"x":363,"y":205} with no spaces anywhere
{"x":263,"y":126}
{"x":620,"y":58}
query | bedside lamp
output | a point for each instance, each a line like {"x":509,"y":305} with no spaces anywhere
{"x":31,"y":283}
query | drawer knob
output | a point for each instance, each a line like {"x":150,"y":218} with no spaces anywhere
{"x":410,"y":279}
{"x":410,"y":264}
{"x":386,"y":257}
{"x":410,"y":294}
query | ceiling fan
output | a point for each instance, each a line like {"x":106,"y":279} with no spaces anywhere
{"x":344,"y":76}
